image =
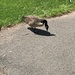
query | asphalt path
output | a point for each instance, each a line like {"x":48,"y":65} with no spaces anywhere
{"x":23,"y":52}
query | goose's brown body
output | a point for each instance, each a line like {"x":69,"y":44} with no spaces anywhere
{"x":33,"y":21}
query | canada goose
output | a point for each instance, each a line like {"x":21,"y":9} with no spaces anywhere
{"x":35,"y":21}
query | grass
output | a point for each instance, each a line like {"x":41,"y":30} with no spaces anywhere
{"x":11,"y":11}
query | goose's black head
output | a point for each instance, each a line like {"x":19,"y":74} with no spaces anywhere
{"x":45,"y":23}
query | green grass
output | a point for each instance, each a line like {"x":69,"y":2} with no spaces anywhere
{"x":11,"y":11}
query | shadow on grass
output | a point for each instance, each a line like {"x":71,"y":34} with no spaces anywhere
{"x":41,"y":32}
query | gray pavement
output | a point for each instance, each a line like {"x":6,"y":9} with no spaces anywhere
{"x":23,"y":52}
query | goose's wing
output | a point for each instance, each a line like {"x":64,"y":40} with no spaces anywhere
{"x":33,"y":24}
{"x":39,"y":24}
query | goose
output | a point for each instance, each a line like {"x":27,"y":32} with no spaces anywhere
{"x":34,"y":21}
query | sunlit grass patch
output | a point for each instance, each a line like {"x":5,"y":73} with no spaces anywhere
{"x":11,"y":11}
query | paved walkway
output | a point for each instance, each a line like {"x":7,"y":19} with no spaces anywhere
{"x":23,"y":52}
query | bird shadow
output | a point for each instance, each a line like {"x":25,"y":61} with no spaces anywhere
{"x":41,"y":32}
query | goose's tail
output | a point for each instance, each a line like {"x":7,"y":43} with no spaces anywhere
{"x":25,"y":19}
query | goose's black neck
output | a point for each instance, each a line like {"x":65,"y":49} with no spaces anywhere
{"x":45,"y":23}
